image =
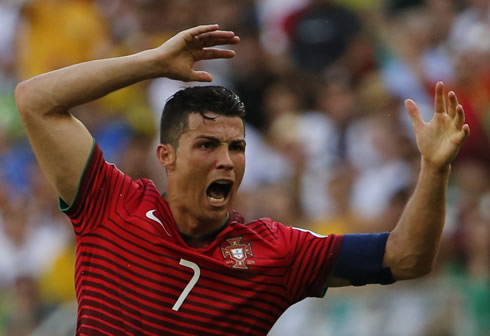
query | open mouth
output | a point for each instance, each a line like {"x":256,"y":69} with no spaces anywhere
{"x":218,"y":191}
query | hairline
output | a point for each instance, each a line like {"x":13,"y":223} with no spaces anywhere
{"x":185,"y":124}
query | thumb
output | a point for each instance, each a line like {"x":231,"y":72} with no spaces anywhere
{"x":201,"y":76}
{"x":461,"y":136}
{"x":413,"y":112}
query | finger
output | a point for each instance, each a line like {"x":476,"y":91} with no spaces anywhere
{"x":221,"y":41}
{"x":202,"y":29}
{"x":413,"y":112}
{"x":460,"y":118}
{"x":214,"y":53}
{"x":439,"y":100}
{"x":453,"y":104}
{"x":218,"y":34}
{"x":201,"y":76}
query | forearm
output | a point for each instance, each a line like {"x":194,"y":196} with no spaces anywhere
{"x":412,"y":246}
{"x":58,"y":91}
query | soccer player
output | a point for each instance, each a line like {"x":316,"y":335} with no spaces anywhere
{"x":185,"y":263}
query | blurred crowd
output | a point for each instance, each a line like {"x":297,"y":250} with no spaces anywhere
{"x":330,"y":147}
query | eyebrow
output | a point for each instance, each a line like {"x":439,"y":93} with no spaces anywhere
{"x":212,"y":138}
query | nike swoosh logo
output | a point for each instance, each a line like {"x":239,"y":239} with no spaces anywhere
{"x":150,"y":214}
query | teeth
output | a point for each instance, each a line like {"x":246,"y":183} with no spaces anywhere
{"x":216,"y":200}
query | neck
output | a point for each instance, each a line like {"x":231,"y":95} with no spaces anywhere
{"x":197,"y":228}
{"x":203,"y":239}
{"x":191,"y":225}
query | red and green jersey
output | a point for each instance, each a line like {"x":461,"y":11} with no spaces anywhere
{"x":135,"y":275}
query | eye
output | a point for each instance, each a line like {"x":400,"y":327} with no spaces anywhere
{"x":237,"y":147}
{"x":207,"y":145}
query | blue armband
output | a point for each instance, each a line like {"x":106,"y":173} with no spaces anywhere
{"x":361,"y":260}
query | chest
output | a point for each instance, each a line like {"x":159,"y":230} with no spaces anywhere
{"x":138,"y":263}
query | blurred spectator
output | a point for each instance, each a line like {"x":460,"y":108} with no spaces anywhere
{"x":475,"y":15}
{"x":472,"y":80}
{"x":251,"y":75}
{"x":339,"y":189}
{"x":376,"y":186}
{"x":416,"y":60}
{"x":323,"y":135}
{"x":474,"y":277}
{"x":28,"y":244}
{"x":320,"y":33}
{"x":265,"y":165}
{"x":48,"y":41}
{"x":10,"y":124}
{"x":271,"y":15}
{"x":9,"y":14}
{"x":26,"y":311}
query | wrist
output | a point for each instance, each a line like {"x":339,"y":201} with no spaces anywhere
{"x":440,"y":171}
{"x":150,"y":64}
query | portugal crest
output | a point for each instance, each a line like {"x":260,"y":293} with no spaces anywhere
{"x":237,"y":251}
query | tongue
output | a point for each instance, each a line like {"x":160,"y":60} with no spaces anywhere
{"x":216,"y":191}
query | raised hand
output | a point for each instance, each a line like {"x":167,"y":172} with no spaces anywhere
{"x":177,"y":56}
{"x":440,"y":139}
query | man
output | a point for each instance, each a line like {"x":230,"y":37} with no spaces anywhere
{"x":186,"y":264}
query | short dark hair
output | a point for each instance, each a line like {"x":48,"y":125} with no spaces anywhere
{"x":197,"y":99}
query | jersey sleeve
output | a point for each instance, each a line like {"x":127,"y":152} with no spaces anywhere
{"x":360,"y":260}
{"x":99,"y":190}
{"x":312,"y":258}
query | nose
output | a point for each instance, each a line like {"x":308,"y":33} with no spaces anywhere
{"x":224,"y":160}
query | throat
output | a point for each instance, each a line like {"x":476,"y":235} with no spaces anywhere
{"x":191,"y":223}
{"x":199,"y":241}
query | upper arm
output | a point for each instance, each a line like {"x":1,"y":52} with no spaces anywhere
{"x":61,"y":143}
{"x":405,"y":264}
{"x":360,"y":261}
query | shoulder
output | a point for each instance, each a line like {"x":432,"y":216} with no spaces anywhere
{"x":265,"y":224}
{"x":267,"y":227}
{"x":141,"y":191}
{"x":146,"y":184}
{"x":264,"y":229}
{"x":122,"y":185}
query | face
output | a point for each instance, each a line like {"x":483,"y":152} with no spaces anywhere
{"x":206,"y":170}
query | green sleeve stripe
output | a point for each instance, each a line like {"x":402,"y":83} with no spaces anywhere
{"x":62,"y":206}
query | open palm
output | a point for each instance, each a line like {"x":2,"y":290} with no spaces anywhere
{"x":178,"y":55}
{"x":440,"y":139}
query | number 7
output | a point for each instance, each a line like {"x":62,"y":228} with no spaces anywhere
{"x":190,"y":285}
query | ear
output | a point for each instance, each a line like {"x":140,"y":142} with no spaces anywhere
{"x":166,"y":156}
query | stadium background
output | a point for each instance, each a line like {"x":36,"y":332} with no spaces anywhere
{"x":330,"y":147}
